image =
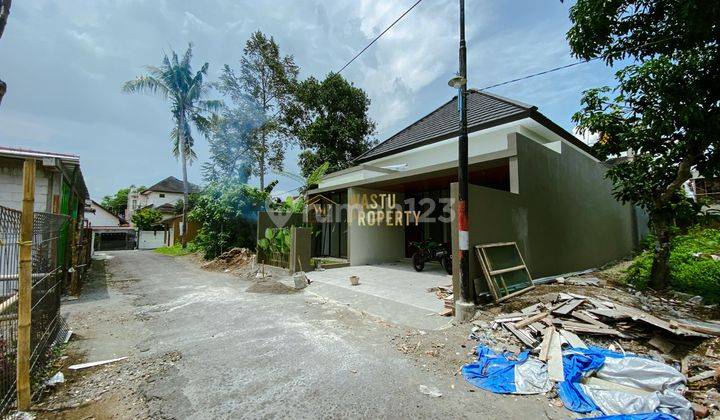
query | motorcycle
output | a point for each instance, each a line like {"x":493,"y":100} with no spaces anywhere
{"x":431,"y":251}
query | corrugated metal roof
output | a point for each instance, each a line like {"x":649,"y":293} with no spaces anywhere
{"x":483,"y":109}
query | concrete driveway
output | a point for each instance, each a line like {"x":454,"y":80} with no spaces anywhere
{"x":392,"y":291}
{"x":211,"y":345}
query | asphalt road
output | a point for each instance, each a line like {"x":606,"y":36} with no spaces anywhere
{"x":251,"y":352}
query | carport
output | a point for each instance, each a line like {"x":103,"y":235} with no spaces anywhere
{"x":391,"y":291}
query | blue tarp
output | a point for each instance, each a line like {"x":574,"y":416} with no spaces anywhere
{"x":575,"y":364}
{"x":506,"y":373}
{"x":494,"y":372}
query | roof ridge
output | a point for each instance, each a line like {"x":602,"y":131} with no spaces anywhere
{"x":407,"y":127}
{"x":504,"y":99}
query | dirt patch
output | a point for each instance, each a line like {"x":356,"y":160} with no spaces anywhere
{"x":270,"y":286}
{"x":107,"y":391}
{"x":231,"y":261}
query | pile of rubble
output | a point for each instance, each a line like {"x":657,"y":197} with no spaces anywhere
{"x":234,"y":259}
{"x":581,"y":312}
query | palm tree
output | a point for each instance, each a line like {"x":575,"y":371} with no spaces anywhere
{"x":174,"y":80}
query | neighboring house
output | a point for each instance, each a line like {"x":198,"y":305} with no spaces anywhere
{"x":531,"y":182}
{"x":162,"y":196}
{"x":109,"y":232}
{"x":99,"y":216}
{"x":59,"y":184}
{"x":59,"y":188}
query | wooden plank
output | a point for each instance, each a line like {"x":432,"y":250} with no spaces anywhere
{"x":532,"y":309}
{"x":673,"y":327}
{"x":495,"y":244}
{"x":554,"y":359}
{"x":661,"y":344}
{"x":584,"y":316}
{"x":545,"y":346}
{"x":569,"y":307}
{"x":527,"y":321}
{"x":522,"y":336}
{"x":590,"y":329}
{"x":703,"y":376}
{"x":609,"y":313}
{"x":507,"y":270}
{"x":486,"y":271}
{"x":573,"y":339}
{"x":22,"y":371}
{"x":515,"y":294}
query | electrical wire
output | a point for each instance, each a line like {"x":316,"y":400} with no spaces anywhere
{"x":378,"y":37}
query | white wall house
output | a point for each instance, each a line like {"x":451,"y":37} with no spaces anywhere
{"x":162,"y":196}
{"x":99,"y":216}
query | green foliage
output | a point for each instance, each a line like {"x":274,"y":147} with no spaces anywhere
{"x":698,"y":275}
{"x":289,"y":205}
{"x":117,"y":203}
{"x":232,"y":138}
{"x":227,"y":215}
{"x":146,"y":219}
{"x":276,"y":240}
{"x":260,"y":91}
{"x":665,"y":107}
{"x":177,"y":250}
{"x":192,"y":200}
{"x":330,"y":120}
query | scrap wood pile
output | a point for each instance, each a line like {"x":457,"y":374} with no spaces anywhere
{"x":566,"y":321}
{"x":445,"y":293}
{"x":235,"y":258}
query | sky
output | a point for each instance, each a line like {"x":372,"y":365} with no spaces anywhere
{"x":65,"y":61}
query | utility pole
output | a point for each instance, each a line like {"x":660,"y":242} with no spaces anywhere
{"x":464,"y":306}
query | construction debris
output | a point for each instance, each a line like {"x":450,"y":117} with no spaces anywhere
{"x":93,"y":364}
{"x":234,"y":259}
{"x":585,"y":315}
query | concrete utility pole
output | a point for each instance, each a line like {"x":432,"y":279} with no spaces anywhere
{"x":464,"y":306}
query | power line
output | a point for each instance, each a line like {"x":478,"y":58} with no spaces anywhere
{"x":529,"y":76}
{"x":554,"y":69}
{"x":378,"y":37}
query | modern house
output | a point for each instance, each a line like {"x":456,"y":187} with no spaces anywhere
{"x":531,"y":182}
{"x":163,"y":196}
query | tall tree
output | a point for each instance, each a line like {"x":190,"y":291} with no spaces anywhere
{"x":187,"y":92}
{"x":665,"y":109}
{"x":264,"y":82}
{"x":329,"y":118}
{"x":232,"y":146}
{"x":4,"y":13}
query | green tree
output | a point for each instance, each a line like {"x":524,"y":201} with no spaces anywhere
{"x":665,"y":108}
{"x":146,"y":219}
{"x":329,"y":118}
{"x":232,"y":137}
{"x":227,"y":214}
{"x":187,"y":92}
{"x":263,"y":85}
{"x":117,"y":203}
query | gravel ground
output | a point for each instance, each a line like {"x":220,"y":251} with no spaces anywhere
{"x":204,"y":344}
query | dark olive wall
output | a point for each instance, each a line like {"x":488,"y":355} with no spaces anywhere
{"x":564,"y":217}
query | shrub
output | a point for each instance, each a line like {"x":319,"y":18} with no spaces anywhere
{"x":227,"y":213}
{"x":693,"y":270}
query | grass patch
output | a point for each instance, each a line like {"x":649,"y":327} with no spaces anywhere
{"x":692,"y":268}
{"x":177,"y":250}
